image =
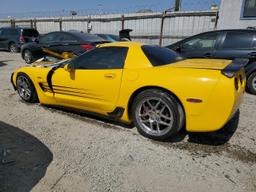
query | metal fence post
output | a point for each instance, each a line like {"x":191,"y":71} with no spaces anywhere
{"x":31,"y":23}
{"x":216,"y":20}
{"x":12,"y":23}
{"x":60,"y":22}
{"x":161,"y":29}
{"x":35,"y":26}
{"x":122,"y":21}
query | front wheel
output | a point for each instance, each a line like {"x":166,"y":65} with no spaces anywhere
{"x":251,"y":83}
{"x":26,"y":89}
{"x":157,"y":115}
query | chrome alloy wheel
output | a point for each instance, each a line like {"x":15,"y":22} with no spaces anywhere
{"x":23,"y":87}
{"x":154,"y":116}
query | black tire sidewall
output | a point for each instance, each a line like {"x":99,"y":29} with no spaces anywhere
{"x":33,"y":98}
{"x":30,"y":56}
{"x":171,"y":102}
{"x":249,"y":83}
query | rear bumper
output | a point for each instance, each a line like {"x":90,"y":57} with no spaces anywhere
{"x":220,"y":106}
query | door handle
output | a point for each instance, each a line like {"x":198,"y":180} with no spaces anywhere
{"x":110,"y":75}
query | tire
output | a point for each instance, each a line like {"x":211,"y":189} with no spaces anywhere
{"x":13,"y":48}
{"x":157,"y":114}
{"x":28,"y":57}
{"x":251,"y":83}
{"x":26,"y":89}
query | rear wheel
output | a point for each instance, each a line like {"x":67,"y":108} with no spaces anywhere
{"x":157,"y":115}
{"x":26,"y":89}
{"x":28,"y":57}
{"x":13,"y":48}
{"x":251,"y":83}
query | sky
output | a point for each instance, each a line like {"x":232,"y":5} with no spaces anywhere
{"x":12,"y":7}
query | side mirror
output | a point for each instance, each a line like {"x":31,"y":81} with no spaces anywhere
{"x":69,"y":67}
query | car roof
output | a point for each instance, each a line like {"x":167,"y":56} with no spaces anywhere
{"x":225,"y":30}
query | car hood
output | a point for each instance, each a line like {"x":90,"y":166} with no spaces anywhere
{"x":214,"y":64}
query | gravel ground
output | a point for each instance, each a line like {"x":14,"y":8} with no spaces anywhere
{"x":47,"y":149}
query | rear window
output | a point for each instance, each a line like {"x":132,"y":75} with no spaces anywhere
{"x":90,"y":37}
{"x":160,"y":55}
{"x":30,"y":32}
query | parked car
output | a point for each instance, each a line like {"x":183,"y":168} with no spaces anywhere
{"x":223,"y":44}
{"x":12,"y":38}
{"x":59,"y":42}
{"x":151,"y":86}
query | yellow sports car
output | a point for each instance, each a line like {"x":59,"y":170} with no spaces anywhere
{"x":153,"y":87}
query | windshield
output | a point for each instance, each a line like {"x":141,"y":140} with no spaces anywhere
{"x":160,"y":55}
{"x":90,"y":37}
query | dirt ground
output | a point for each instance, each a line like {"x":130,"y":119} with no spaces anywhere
{"x":46,"y":149}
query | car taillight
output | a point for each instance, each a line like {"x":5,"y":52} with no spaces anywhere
{"x":22,"y":39}
{"x":86,"y":46}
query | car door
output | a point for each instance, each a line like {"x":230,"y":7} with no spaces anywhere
{"x":200,"y":46}
{"x":4,"y":38}
{"x":94,"y":82}
{"x":237,"y":44}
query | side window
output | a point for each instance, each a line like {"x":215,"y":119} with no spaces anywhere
{"x":13,"y":31}
{"x":66,"y":38}
{"x":238,"y":40}
{"x":49,"y":38}
{"x":201,"y":42}
{"x":1,"y":32}
{"x":102,"y":58}
{"x":249,"y":9}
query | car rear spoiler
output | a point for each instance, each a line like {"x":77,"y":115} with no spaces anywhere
{"x":235,"y":66}
{"x":125,"y":34}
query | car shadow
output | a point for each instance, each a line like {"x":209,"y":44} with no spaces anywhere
{"x":3,"y":63}
{"x":90,"y":116}
{"x":219,"y":137}
{"x":23,"y":159}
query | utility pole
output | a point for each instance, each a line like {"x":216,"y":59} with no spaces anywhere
{"x":177,"y":5}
